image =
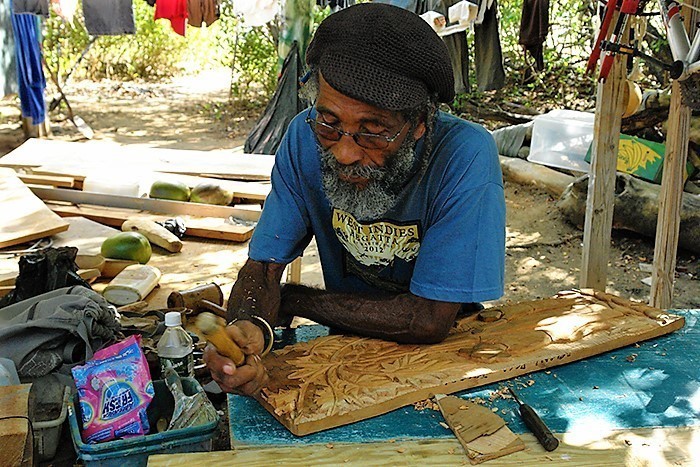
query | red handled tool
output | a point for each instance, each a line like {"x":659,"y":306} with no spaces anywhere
{"x":628,"y":7}
{"x":607,"y":19}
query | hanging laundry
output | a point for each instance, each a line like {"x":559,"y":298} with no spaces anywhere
{"x":109,"y":17}
{"x":457,"y":47}
{"x":151,"y":2}
{"x":296,"y":26}
{"x":534,"y":27}
{"x":202,"y":12}
{"x":34,"y":7}
{"x":65,"y":8}
{"x":175,"y":11}
{"x":8,"y":65}
{"x":30,"y":74}
{"x":335,"y":4}
{"x":256,"y":13}
{"x":488,"y":56}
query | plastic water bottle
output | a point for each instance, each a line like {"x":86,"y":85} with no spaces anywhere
{"x":175,"y":346}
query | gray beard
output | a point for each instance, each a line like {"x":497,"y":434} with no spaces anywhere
{"x":382,"y":190}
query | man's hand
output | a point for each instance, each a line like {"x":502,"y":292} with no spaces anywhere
{"x":248,"y":378}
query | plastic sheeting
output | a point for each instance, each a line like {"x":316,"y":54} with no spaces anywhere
{"x":266,"y":135}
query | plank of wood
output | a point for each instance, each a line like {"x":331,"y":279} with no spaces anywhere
{"x":601,"y":186}
{"x":483,"y":434}
{"x":337,"y":379}
{"x":645,"y":446}
{"x":14,"y":426}
{"x":87,"y":236}
{"x":204,"y":227}
{"x":162,"y":206}
{"x":671,"y":195}
{"x":66,"y":157}
{"x":23,"y":216}
{"x":50,"y":180}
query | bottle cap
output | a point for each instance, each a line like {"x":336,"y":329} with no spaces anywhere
{"x":173,"y":318}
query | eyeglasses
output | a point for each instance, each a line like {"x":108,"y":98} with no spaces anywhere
{"x":366,"y":140}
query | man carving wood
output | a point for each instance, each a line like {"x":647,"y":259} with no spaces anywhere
{"x":405,"y":201}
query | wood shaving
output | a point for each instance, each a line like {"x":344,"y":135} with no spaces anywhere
{"x":445,"y":425}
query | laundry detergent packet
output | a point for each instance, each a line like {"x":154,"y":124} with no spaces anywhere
{"x":114,"y":390}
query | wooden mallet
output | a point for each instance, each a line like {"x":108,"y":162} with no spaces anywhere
{"x":214,"y":329}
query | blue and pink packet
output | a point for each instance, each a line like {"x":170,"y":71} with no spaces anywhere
{"x":114,"y":390}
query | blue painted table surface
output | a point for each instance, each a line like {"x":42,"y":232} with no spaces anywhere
{"x":655,"y":383}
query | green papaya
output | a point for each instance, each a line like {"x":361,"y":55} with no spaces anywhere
{"x":211,"y":193}
{"x":127,"y":245}
{"x":176,"y":191}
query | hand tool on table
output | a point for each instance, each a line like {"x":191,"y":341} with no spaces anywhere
{"x":536,"y":425}
{"x":194,"y":410}
{"x":198,"y":298}
{"x":214,"y":329}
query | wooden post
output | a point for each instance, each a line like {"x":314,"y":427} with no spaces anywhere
{"x":601,"y":181}
{"x":670,"y":197}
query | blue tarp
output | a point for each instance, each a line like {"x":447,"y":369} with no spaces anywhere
{"x":653,"y":384}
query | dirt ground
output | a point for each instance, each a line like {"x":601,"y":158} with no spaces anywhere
{"x":543,"y":249}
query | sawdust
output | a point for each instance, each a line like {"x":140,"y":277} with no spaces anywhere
{"x":543,"y":251}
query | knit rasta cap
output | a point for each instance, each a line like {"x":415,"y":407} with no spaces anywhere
{"x":382,"y":55}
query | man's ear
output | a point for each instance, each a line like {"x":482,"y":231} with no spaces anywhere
{"x":419,"y":131}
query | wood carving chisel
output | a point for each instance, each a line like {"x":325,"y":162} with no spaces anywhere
{"x":213,"y":328}
{"x":536,"y":425}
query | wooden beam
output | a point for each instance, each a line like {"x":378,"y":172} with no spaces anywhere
{"x":601,"y":183}
{"x":670,"y":197}
{"x":162,"y":206}
{"x":51,"y":180}
{"x":204,"y":227}
{"x":641,"y":446}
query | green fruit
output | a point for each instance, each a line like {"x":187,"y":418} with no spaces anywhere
{"x":127,"y":245}
{"x":176,"y":191}
{"x":210,"y":193}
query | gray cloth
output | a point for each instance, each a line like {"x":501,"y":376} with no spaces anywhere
{"x":56,"y":330}
{"x":35,"y":7}
{"x":490,"y":74}
{"x":109,"y":17}
{"x":8,"y":66}
{"x":510,"y":139}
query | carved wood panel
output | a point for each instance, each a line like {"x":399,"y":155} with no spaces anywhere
{"x":335,"y":380}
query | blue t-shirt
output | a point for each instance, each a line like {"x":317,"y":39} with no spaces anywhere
{"x":444,"y":239}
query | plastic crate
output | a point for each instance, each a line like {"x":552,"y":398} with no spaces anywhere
{"x":135,"y":451}
{"x":47,"y":433}
{"x":561,"y":138}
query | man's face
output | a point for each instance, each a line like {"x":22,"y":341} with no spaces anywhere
{"x":364,"y":182}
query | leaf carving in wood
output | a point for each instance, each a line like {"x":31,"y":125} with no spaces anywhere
{"x":338,"y":379}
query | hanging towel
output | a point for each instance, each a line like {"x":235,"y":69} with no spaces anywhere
{"x":30,"y":74}
{"x":534,"y":27}
{"x":109,"y":17}
{"x":8,"y":65}
{"x":65,"y":8}
{"x":34,"y":7}
{"x":175,"y":11}
{"x":488,"y":57}
{"x":202,"y":12}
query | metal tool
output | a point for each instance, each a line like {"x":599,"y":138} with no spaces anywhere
{"x":536,"y":425}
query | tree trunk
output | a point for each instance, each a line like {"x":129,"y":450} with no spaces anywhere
{"x":636,"y":208}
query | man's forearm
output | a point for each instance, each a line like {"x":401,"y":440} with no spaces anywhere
{"x":257,"y":291}
{"x":397,"y":317}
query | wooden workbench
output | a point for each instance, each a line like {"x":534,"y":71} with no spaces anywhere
{"x":649,"y":446}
